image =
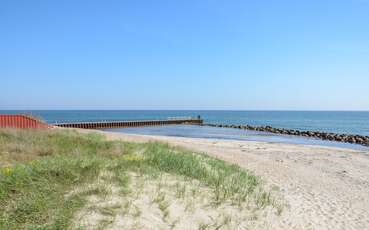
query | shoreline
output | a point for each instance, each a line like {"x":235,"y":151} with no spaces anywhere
{"x":165,"y":138}
{"x":226,"y":133}
{"x":323,"y":187}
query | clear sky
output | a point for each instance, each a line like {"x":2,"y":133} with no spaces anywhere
{"x":184,"y":54}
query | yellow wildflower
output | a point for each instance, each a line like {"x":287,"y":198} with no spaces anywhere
{"x":132,"y":157}
{"x":7,"y":171}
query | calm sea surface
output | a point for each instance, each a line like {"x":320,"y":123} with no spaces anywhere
{"x":337,"y":122}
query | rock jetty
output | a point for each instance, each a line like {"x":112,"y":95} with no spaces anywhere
{"x":347,"y":138}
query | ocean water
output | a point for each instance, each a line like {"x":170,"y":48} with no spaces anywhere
{"x":337,"y":122}
{"x":196,"y":131}
{"x":327,"y":121}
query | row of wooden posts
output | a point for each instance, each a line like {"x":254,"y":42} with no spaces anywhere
{"x":126,"y":124}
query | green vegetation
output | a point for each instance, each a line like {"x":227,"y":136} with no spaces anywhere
{"x":40,"y":172}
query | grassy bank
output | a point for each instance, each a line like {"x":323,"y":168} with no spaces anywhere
{"x":59,"y":179}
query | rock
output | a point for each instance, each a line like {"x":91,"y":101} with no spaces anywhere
{"x":355,"y":139}
{"x":359,"y":140}
{"x":339,"y":138}
{"x":351,"y":140}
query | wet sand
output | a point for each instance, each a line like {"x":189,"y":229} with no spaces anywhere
{"x":322,"y":187}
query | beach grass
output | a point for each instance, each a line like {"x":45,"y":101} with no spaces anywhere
{"x":48,"y":176}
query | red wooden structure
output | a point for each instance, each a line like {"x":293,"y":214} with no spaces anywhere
{"x":21,"y":122}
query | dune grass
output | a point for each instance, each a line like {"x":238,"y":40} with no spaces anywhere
{"x":39,"y":169}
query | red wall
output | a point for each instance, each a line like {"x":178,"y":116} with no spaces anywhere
{"x":21,"y":122}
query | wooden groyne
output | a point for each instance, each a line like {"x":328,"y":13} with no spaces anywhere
{"x":127,"y":124}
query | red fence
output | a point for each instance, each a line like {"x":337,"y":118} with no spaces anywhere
{"x":21,"y":122}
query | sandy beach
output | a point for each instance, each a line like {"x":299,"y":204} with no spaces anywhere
{"x":218,"y":115}
{"x":322,"y":187}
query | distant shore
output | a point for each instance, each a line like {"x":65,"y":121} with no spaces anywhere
{"x":323,"y":187}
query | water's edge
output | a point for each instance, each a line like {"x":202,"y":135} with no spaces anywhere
{"x":207,"y":132}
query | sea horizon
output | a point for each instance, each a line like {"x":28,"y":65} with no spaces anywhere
{"x":346,"y":122}
{"x":232,"y":110}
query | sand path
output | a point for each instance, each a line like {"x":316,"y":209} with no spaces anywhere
{"x":323,"y":187}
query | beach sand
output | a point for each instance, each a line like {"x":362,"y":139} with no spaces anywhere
{"x":322,"y":187}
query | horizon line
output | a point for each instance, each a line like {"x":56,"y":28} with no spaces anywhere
{"x":230,"y":110}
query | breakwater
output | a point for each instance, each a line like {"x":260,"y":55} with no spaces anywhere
{"x":347,"y":138}
{"x":127,"y":124}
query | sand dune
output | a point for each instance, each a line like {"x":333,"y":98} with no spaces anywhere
{"x":322,"y":187}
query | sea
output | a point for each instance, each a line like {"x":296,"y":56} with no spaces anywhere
{"x":347,"y":122}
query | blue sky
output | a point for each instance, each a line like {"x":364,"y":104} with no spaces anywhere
{"x":193,"y":54}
